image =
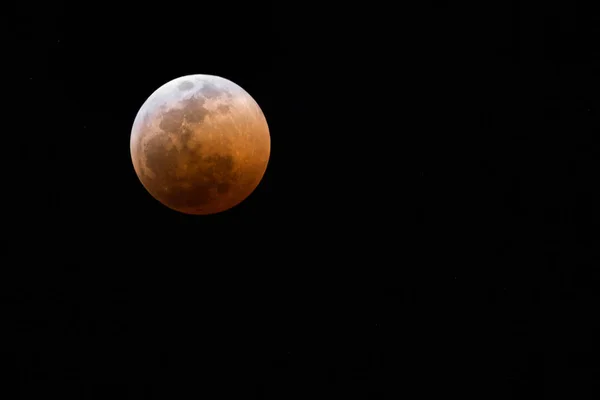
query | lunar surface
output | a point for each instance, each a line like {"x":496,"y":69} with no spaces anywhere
{"x":200,"y":144}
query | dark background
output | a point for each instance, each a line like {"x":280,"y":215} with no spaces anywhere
{"x":428,"y":223}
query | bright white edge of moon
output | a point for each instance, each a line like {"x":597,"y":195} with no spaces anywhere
{"x":168,"y":95}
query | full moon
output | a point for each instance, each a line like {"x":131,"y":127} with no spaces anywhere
{"x":200,"y":144}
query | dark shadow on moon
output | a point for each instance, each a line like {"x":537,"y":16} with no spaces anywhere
{"x":209,"y":176}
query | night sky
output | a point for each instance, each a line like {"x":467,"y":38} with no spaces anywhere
{"x":427,"y":225}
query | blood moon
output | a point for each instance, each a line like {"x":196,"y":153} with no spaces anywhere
{"x":200,"y":144}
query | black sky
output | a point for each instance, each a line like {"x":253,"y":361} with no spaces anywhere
{"x":428,"y":221}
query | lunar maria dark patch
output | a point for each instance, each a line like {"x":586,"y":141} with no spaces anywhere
{"x":193,"y":111}
{"x":210,"y":91}
{"x":191,"y":191}
{"x":185,"y":85}
{"x":171,"y":120}
{"x":223,"y":108}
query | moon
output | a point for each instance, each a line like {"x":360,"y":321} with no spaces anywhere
{"x":200,"y":144}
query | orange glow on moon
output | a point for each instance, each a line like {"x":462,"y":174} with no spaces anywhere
{"x":200,"y":144}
